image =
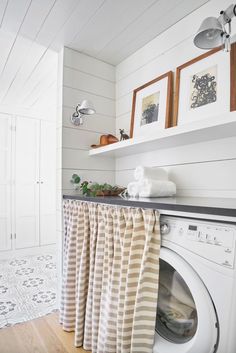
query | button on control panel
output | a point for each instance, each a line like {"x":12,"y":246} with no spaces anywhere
{"x":212,"y":240}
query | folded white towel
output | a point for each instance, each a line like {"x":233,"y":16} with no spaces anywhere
{"x":156,"y":188}
{"x":150,"y":173}
{"x":133,"y":188}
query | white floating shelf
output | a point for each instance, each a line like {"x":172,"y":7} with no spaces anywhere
{"x":199,"y":131}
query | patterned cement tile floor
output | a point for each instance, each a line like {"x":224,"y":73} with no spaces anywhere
{"x":28,"y":288}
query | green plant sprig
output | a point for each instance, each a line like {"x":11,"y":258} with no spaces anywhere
{"x":93,"y":189}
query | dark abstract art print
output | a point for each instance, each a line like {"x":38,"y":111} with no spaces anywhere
{"x":203,"y":89}
{"x":150,"y":109}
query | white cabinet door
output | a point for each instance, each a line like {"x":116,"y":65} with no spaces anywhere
{"x":27,"y":182}
{"x":5,"y":182}
{"x":47,"y":183}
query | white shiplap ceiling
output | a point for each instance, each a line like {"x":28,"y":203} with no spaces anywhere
{"x":33,"y":31}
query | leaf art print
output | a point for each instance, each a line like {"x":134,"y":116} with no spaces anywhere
{"x":203,"y":88}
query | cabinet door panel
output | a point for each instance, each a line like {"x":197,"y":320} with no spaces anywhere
{"x":5,"y":183}
{"x":27,"y":182}
{"x":47,"y":183}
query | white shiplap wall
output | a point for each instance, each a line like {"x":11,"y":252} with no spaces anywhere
{"x":85,"y":77}
{"x":200,"y":169}
{"x":82,"y":77}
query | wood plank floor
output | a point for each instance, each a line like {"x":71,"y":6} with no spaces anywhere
{"x":43,"y":335}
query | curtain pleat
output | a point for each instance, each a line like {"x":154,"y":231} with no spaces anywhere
{"x":110,"y":276}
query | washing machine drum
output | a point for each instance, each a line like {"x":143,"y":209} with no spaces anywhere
{"x":186,"y":319}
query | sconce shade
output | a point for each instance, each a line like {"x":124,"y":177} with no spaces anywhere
{"x":209,"y":34}
{"x":86,"y":107}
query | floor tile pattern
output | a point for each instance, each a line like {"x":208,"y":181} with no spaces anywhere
{"x":28,"y":288}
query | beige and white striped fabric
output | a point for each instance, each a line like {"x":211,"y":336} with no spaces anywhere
{"x":110,"y":276}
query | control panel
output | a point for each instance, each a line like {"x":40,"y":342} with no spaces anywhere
{"x":211,"y":240}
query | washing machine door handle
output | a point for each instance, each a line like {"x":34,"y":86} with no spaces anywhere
{"x":165,"y":228}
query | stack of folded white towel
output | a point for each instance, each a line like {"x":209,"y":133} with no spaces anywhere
{"x":150,"y":182}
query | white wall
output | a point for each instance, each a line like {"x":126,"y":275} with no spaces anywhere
{"x":82,"y":77}
{"x":200,"y":169}
{"x":86,"y":78}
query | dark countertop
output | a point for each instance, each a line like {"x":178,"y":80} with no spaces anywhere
{"x":203,"y":205}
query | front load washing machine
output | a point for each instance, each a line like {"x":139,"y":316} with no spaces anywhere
{"x":196,"y":311}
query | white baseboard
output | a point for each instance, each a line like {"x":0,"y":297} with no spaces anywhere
{"x":29,"y":251}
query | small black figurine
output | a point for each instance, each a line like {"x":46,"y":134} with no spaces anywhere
{"x":123,"y":136}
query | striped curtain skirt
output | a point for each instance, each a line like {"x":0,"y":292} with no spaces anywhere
{"x":110,"y":276}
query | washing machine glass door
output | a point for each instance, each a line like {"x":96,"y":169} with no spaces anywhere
{"x":176,"y":312}
{"x":186,"y":319}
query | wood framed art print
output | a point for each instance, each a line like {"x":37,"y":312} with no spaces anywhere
{"x":205,"y":86}
{"x":151,"y":107}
